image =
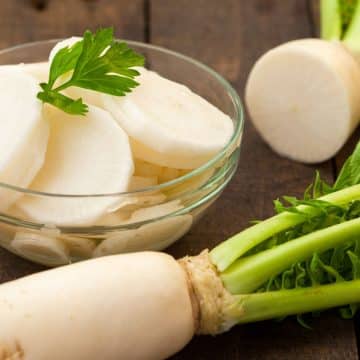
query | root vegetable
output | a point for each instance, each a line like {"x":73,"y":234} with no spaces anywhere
{"x":23,"y":135}
{"x":142,"y":182}
{"x":155,"y":235}
{"x":99,"y":309}
{"x":42,"y":249}
{"x":184,"y":132}
{"x":78,"y":162}
{"x":155,"y":304}
{"x":308,"y":88}
{"x":78,"y":248}
{"x":40,"y":70}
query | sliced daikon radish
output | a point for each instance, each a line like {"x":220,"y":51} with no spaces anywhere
{"x":137,"y":200}
{"x":156,"y":235}
{"x":169,"y":174}
{"x":39,"y":70}
{"x":164,"y":174}
{"x":304,"y":98}
{"x":144,"y":168}
{"x":115,"y":218}
{"x":86,"y":155}
{"x":156,"y":211}
{"x":78,"y":248}
{"x":40,"y":248}
{"x":142,"y":182}
{"x":23,"y":132}
{"x":168,"y":124}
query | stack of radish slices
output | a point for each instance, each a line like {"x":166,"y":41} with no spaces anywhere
{"x":158,"y":132}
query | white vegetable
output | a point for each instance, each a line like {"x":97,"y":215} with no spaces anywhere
{"x":304,"y":98}
{"x":142,"y":182}
{"x":23,"y":135}
{"x":78,"y":248}
{"x":168,"y":124}
{"x":155,"y":235}
{"x":133,"y":307}
{"x":86,"y":155}
{"x":39,"y":70}
{"x":40,"y":248}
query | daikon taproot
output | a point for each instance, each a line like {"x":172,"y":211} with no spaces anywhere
{"x":148,"y":305}
{"x":303,"y":96}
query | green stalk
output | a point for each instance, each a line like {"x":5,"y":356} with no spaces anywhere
{"x":330,"y":19}
{"x":275,"y":304}
{"x":230,"y":250}
{"x":352,"y":34}
{"x":249,"y":273}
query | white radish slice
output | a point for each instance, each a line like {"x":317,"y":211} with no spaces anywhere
{"x":115,"y":218}
{"x":39,"y":70}
{"x":83,"y":311}
{"x":86,"y":155}
{"x":40,"y":248}
{"x":144,"y":168}
{"x":156,"y":235}
{"x":134,"y":201}
{"x":304,"y":99}
{"x":23,"y":132}
{"x":168,"y":124}
{"x":164,"y":174}
{"x":169,"y":174}
{"x":142,"y":182}
{"x":156,"y":211}
{"x":78,"y":248}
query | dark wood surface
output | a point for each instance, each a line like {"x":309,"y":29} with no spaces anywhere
{"x":228,"y":35}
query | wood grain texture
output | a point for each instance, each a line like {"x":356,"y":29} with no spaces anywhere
{"x":230,"y":38}
{"x":21,"y":21}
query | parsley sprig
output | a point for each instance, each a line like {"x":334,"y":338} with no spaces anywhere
{"x":98,"y":62}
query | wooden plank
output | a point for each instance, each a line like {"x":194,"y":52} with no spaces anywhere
{"x":230,"y":38}
{"x":21,"y":21}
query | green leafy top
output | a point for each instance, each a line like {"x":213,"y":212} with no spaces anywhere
{"x":98,"y":62}
{"x":341,"y":263}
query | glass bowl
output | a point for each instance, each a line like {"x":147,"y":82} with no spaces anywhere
{"x":153,"y":217}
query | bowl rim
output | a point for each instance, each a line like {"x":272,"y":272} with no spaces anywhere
{"x":238,"y":120}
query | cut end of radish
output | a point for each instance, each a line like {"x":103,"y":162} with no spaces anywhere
{"x":303,"y":99}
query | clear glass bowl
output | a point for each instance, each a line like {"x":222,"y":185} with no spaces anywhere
{"x":154,"y":217}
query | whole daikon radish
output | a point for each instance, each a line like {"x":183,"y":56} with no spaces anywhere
{"x":148,"y":305}
{"x":23,"y":132}
{"x":304,"y":96}
{"x":82,"y":311}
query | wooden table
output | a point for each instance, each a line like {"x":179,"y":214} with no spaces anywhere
{"x":228,"y":35}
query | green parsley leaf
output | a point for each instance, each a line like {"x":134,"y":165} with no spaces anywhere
{"x":98,"y":63}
